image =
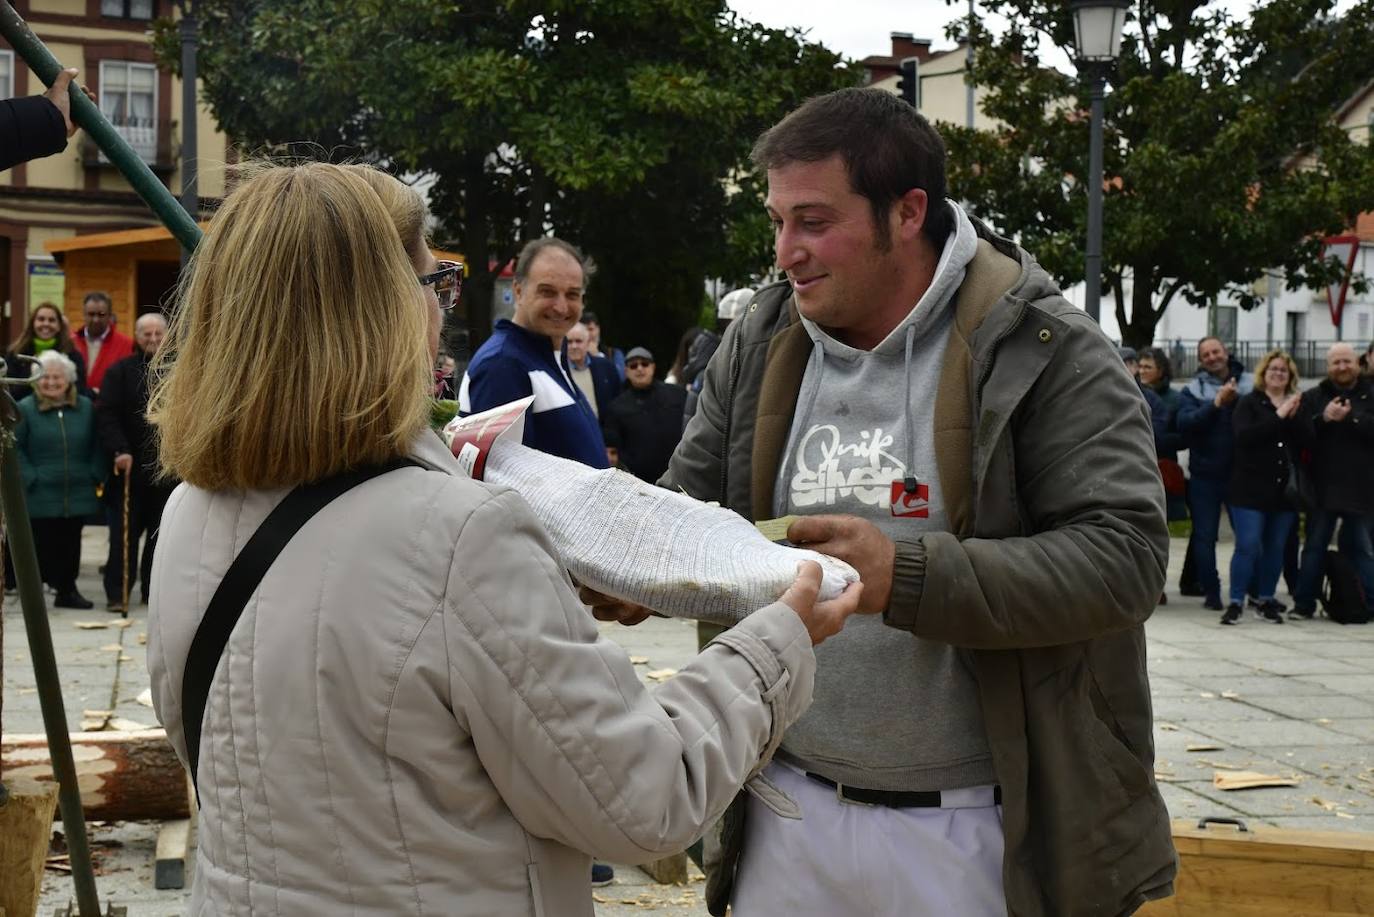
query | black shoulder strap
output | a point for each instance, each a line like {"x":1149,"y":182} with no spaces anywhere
{"x":241,"y":581}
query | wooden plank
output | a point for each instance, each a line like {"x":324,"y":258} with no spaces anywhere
{"x":122,"y":776}
{"x":1269,"y":872}
{"x":671,"y":870}
{"x":25,"y":828}
{"x":173,"y":846}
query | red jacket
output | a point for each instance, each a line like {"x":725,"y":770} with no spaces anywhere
{"x":115,"y":348}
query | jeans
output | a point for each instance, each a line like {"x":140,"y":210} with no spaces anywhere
{"x":1356,"y":531}
{"x":1258,"y":559}
{"x":1206,"y":497}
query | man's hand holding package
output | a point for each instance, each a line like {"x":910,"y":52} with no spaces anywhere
{"x":822,"y":619}
{"x":859,"y":543}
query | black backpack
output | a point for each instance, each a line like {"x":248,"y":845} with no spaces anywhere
{"x":1342,"y":594}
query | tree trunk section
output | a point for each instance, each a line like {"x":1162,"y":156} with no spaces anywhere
{"x":477,"y":249}
{"x":1140,"y":332}
{"x":123,"y":776}
{"x":25,"y":828}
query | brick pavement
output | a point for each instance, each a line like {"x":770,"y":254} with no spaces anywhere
{"x":1292,"y":700}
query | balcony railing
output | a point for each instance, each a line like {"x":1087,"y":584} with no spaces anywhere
{"x":139,"y":133}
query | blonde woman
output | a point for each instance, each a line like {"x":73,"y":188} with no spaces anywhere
{"x":1260,"y":515}
{"x":414,"y":713}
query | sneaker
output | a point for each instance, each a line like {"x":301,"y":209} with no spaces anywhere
{"x":1212,"y":604}
{"x":1232,"y":614}
{"x":1301,"y":614}
{"x":1271,"y":611}
{"x":602,"y":875}
{"x":114,"y":605}
{"x":72,"y":599}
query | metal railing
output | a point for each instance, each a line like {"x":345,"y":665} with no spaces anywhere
{"x":1309,"y":355}
{"x":140,"y":134}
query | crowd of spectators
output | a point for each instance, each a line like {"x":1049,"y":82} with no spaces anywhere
{"x":593,"y":403}
{"x":1265,"y":452}
{"x":85,"y":451}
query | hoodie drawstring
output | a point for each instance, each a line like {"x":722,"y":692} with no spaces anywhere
{"x":909,"y":483}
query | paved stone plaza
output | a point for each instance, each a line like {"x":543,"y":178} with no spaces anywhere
{"x":1290,"y":701}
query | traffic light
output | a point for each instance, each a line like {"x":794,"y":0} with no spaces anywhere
{"x":906,"y":83}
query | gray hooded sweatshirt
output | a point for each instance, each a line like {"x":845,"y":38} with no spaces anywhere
{"x":891,"y":711}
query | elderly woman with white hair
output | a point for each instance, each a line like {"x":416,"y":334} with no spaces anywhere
{"x":61,"y":463}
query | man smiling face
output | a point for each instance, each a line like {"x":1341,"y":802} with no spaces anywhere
{"x":843,"y":269}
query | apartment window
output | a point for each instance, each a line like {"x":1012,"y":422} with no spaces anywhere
{"x":128,"y":99}
{"x":1226,"y":323}
{"x":6,"y":74}
{"x":127,"y":9}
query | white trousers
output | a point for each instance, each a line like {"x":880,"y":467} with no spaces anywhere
{"x":843,"y":858}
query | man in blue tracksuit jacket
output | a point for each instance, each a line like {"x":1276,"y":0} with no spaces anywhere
{"x":526,"y":356}
{"x":1204,"y":418}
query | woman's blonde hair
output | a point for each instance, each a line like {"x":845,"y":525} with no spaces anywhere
{"x":406,"y":208}
{"x":1270,"y":357}
{"x":299,"y":348}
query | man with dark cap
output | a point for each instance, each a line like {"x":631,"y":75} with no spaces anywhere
{"x":644,"y":422}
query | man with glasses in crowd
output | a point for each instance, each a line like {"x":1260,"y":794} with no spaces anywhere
{"x":526,"y":355}
{"x":99,"y":342}
{"x":645,"y":422}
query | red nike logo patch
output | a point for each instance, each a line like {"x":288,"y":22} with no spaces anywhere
{"x":910,"y":504}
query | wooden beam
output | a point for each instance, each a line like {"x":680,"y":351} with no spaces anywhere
{"x":123,"y":776}
{"x":671,"y":870}
{"x":173,"y":846}
{"x":25,"y":829}
{"x":1268,"y":872}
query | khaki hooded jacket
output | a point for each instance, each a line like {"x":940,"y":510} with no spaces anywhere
{"x":1057,"y":556}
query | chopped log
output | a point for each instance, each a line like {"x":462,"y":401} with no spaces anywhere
{"x":25,"y":827}
{"x":123,"y":776}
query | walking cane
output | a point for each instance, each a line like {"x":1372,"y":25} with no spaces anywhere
{"x":124,"y":573}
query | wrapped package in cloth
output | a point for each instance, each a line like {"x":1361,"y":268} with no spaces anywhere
{"x":627,"y":538}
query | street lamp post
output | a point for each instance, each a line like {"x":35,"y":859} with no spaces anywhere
{"x":1097,"y":41}
{"x":190,"y":166}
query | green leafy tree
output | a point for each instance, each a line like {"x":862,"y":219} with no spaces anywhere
{"x":1222,"y":155}
{"x":622,"y":125}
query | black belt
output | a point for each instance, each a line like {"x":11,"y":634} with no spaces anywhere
{"x":893,"y":799}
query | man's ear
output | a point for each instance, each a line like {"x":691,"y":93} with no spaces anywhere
{"x":909,"y":214}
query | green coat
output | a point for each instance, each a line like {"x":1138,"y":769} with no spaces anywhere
{"x":60,"y":459}
{"x":1058,"y":554}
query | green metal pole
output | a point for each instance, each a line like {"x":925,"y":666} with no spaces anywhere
{"x":44,"y":662}
{"x":88,"y":116}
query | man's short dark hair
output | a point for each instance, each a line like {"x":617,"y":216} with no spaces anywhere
{"x":99,"y":296}
{"x":887,"y":147}
{"x":1212,"y":337}
{"x":536,"y":247}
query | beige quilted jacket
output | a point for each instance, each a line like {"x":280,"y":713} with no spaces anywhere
{"x":415,"y":715}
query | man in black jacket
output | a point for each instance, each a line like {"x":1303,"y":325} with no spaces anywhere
{"x":644,"y":422}
{"x":37,"y":126}
{"x":1336,"y":421}
{"x":125,"y":433}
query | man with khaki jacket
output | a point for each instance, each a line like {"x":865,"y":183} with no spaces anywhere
{"x":920,"y":394}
